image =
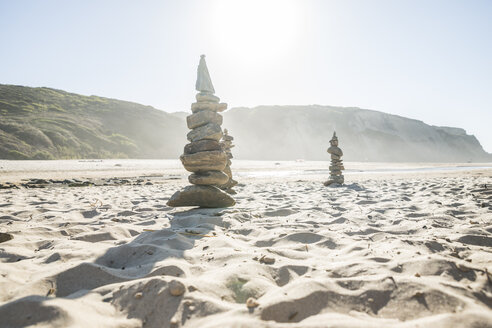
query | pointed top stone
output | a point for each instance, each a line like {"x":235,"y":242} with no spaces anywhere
{"x":334,"y":140}
{"x":334,"y":136}
{"x":203,"y":81}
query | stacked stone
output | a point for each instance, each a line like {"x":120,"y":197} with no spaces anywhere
{"x":226,"y":144}
{"x":336,"y":165}
{"x":204,"y":156}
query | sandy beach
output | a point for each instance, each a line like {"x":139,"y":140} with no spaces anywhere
{"x":93,"y":244}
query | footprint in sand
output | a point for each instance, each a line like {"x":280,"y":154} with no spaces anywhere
{"x":90,"y":214}
{"x":476,"y":240}
{"x":303,"y":237}
{"x":288,"y":273}
{"x":280,"y":212}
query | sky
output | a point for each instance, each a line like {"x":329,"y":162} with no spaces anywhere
{"x":429,"y":60}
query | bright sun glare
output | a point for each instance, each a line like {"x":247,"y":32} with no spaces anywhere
{"x":257,"y":30}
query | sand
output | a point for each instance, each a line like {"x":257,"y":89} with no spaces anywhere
{"x":405,"y":245}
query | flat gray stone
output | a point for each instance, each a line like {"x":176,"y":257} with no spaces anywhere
{"x":335,"y":157}
{"x":215,"y":160}
{"x":203,"y":97}
{"x":214,"y":178}
{"x":203,"y":196}
{"x":201,"y":118}
{"x":199,"y":106}
{"x":202,"y":145}
{"x":210,"y":131}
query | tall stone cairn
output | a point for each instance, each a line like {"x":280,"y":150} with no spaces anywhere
{"x":203,"y":155}
{"x":336,"y":165}
{"x":226,"y":145}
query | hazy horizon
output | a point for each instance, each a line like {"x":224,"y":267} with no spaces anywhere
{"x":424,"y":60}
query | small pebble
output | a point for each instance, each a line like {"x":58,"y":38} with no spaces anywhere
{"x":251,"y":303}
{"x":176,"y":288}
{"x":267,"y":260}
{"x":138,"y":295}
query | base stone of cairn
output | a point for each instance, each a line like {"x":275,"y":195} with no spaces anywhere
{"x":226,"y":146}
{"x":203,"y":196}
{"x":336,"y":165}
{"x":204,"y":155}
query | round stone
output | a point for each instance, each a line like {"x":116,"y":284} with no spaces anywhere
{"x":251,"y":303}
{"x":334,"y":150}
{"x":176,"y":288}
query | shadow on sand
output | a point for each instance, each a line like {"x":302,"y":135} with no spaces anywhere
{"x":156,"y":254}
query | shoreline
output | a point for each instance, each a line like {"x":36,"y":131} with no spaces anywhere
{"x":19,"y":171}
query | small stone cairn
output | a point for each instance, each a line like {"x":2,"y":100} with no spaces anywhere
{"x":226,"y":146}
{"x":336,"y":165}
{"x":204,"y":156}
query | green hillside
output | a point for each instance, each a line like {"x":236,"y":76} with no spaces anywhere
{"x":43,"y":123}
